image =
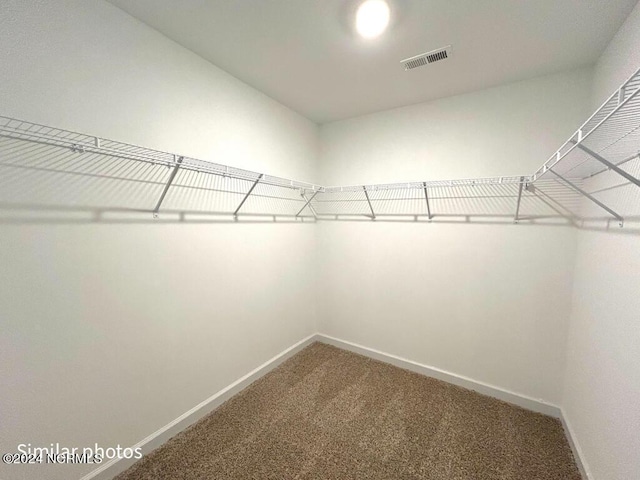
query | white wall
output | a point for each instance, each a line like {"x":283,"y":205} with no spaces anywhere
{"x":602,"y":386}
{"x":490,"y":302}
{"x":508,"y":130}
{"x":110,"y":331}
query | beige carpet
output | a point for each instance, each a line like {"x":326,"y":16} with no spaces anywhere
{"x":331,"y":414}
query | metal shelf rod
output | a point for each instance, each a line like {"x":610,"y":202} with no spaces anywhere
{"x":426,"y":197}
{"x":308,"y":202}
{"x":373,"y":214}
{"x":515,"y":219}
{"x":167,"y":186}
{"x":235,"y":214}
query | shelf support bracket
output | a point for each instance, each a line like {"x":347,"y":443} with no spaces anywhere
{"x":366,"y":194}
{"x":167,"y":185}
{"x":608,"y":164}
{"x":426,"y":197}
{"x":590,"y":197}
{"x":255,"y":184}
{"x":516,"y":219}
{"x":308,"y":202}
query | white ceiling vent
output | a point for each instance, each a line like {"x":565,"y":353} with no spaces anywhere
{"x":427,"y":58}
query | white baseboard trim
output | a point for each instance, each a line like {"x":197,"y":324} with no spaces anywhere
{"x":113,"y":467}
{"x":523,"y":401}
{"x":575,"y":448}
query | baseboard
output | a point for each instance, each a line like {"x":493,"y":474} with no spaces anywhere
{"x":113,"y":467}
{"x":575,"y":448}
{"x":523,"y":401}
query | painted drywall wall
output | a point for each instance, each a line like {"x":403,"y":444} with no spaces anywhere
{"x":602,"y":383}
{"x":96,"y":342}
{"x":109,"y":331}
{"x":490,"y":302}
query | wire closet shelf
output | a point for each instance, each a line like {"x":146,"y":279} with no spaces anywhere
{"x":51,"y":168}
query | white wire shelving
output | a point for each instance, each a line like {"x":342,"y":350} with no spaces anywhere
{"x":509,"y":199}
{"x":43,"y":167}
{"x":47,"y":167}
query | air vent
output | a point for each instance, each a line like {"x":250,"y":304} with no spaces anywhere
{"x":427,"y":58}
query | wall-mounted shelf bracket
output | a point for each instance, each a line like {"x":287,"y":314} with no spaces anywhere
{"x":167,"y":186}
{"x":366,"y":194}
{"x":426,"y":197}
{"x":308,"y":201}
{"x":255,"y":184}
{"x":515,"y":218}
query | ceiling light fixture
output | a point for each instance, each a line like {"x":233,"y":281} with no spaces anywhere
{"x":372,"y":18}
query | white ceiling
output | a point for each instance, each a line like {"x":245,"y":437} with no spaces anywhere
{"x":305,"y":54}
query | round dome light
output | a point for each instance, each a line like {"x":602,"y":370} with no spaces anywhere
{"x":372,"y":18}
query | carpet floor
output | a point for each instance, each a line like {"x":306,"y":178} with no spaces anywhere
{"x":331,"y":414}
